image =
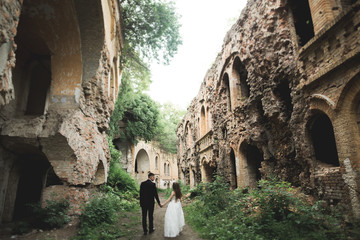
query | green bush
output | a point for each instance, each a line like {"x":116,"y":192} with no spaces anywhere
{"x":100,"y":210}
{"x":272,"y":211}
{"x":54,"y":215}
{"x":99,"y":217}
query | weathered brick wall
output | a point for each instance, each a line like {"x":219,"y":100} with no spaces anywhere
{"x":68,"y":136}
{"x":288,"y":87}
{"x":10,"y":12}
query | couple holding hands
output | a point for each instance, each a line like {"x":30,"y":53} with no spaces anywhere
{"x":174,"y":216}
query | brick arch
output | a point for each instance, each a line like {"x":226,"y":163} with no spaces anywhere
{"x":233,"y":168}
{"x":239,"y":86}
{"x":321,"y":134}
{"x":203,"y":120}
{"x":142,"y":164}
{"x":225,"y":90}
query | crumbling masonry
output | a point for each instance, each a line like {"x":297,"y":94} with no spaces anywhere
{"x":282,"y":99}
{"x":140,"y":158}
{"x":59,"y":76}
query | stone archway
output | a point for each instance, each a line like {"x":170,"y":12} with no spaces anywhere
{"x":29,"y":174}
{"x":322,"y":135}
{"x":142,"y":165}
{"x":251,"y":158}
{"x":233,"y":176}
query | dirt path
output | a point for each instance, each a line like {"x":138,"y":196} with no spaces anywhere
{"x":159,"y":213}
{"x":130,"y":222}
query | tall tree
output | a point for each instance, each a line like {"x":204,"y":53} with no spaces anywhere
{"x":170,"y":117}
{"x":151,"y":28}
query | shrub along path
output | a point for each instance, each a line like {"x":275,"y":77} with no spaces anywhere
{"x":159,"y":214}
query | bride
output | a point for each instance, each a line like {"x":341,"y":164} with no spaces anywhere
{"x":174,"y":216}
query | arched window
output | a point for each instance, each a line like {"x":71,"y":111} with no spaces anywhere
{"x":226,"y":89}
{"x":40,"y":79}
{"x":323,"y":139}
{"x":208,"y":119}
{"x":156,"y":163}
{"x":142,"y":164}
{"x":203,"y":121}
{"x":242,"y":89}
{"x":188,"y":134}
{"x":233,"y":176}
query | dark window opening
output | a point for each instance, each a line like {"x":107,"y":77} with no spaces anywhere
{"x":40,"y":79}
{"x":254,"y":158}
{"x":240,"y":74}
{"x":303,"y":22}
{"x":283,"y":94}
{"x":323,"y":138}
{"x":31,"y":181}
{"x":194,"y":177}
{"x":209,"y":172}
{"x":32,"y":73}
{"x":136,"y":166}
{"x":233,"y":177}
{"x":227,"y":91}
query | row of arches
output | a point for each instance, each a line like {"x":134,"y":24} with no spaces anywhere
{"x":144,"y":163}
{"x":234,"y":87}
{"x":246,"y":163}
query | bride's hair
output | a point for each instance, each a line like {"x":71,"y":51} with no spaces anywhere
{"x":177,"y":190}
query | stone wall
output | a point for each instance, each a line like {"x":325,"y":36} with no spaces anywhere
{"x":143,"y":157}
{"x":275,"y":103}
{"x":57,"y":92}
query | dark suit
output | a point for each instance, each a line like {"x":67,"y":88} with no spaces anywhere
{"x":148,"y":192}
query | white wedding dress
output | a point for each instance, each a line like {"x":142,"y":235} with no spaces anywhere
{"x":174,"y":219}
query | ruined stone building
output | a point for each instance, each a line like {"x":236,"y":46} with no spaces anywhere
{"x":282,"y":99}
{"x":59,"y":76}
{"x":138,"y":159}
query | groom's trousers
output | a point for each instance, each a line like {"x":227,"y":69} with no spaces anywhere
{"x":145,"y":211}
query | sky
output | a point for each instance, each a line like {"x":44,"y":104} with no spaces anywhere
{"x":204,"y":25}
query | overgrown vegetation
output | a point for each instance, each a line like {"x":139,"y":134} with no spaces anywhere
{"x":54,"y":215}
{"x":151,"y":29}
{"x":151,"y":32}
{"x":99,"y":219}
{"x":169,"y":118}
{"x":272,"y":211}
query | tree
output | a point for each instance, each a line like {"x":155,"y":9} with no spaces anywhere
{"x":151,"y":29}
{"x":170,"y":117}
{"x":137,"y":111}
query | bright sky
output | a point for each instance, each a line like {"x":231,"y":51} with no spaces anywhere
{"x":204,"y":25}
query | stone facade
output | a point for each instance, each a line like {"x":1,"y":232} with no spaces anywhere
{"x":282,"y":99}
{"x":143,"y":157}
{"x":59,"y":76}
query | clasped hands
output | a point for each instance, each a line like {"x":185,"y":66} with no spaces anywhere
{"x":161,"y":205}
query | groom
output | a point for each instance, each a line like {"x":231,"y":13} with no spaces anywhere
{"x":148,"y":192}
